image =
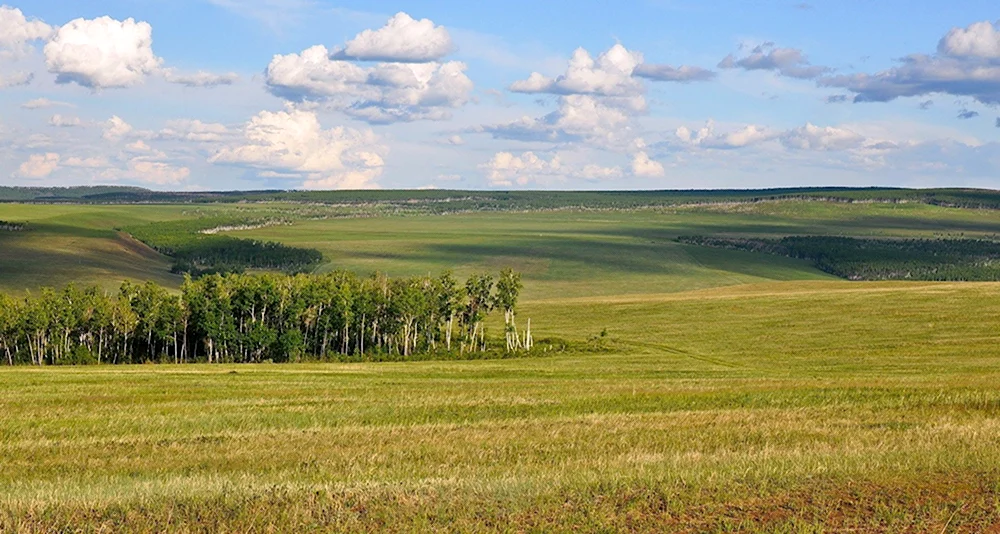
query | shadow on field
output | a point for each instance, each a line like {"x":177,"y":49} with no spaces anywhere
{"x":616,"y":257}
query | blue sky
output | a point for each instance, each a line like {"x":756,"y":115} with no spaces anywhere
{"x":654,"y":94}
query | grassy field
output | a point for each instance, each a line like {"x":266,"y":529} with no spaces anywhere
{"x":734,"y":391}
{"x":780,"y":407}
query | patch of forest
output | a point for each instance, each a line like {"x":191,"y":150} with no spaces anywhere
{"x":253,"y":318}
{"x":197,"y":250}
{"x":878,"y":259}
{"x":454,"y":201}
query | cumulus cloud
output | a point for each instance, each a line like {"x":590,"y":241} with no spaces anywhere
{"x":506,"y":169}
{"x":384,"y":93}
{"x":16,"y":31}
{"x":643,"y":166}
{"x":102,"y":53}
{"x":408,"y":83}
{"x":152,"y":172}
{"x":610,"y":74}
{"x":579,"y":118}
{"x":403,"y":39}
{"x":38,"y":166}
{"x":981,"y":40}
{"x":293,"y":144}
{"x":598,"y":99}
{"x":613,"y":73}
{"x":64,"y":121}
{"x":811,"y":137}
{"x":789,"y":62}
{"x":44,"y":103}
{"x":116,"y":128}
{"x":966,"y":114}
{"x":967,"y":63}
{"x":707,"y":137}
{"x":200,"y":78}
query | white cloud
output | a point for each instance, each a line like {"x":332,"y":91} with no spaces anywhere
{"x":39,"y":166}
{"x":64,"y":121}
{"x":44,"y":103}
{"x":384,"y":93}
{"x":153,"y":172}
{"x":102,"y":53}
{"x":599,"y":99}
{"x":200,"y":78}
{"x":138,"y":146}
{"x":706,"y":137}
{"x":294,"y":144}
{"x":643,"y":166}
{"x":115,"y":129}
{"x":506,"y":169}
{"x":810,"y":137}
{"x":981,"y":40}
{"x":579,"y":118}
{"x":609,"y":75}
{"x":16,"y":31}
{"x":402,"y":39}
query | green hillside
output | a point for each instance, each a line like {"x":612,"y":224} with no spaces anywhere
{"x":705,"y":389}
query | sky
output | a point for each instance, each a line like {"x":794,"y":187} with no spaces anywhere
{"x":584,"y":94}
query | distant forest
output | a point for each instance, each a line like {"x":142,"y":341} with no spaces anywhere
{"x":878,"y":259}
{"x":197,"y":250}
{"x":268,"y":317}
{"x":451,"y":201}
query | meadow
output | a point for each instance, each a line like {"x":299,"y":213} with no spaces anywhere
{"x":726,"y":390}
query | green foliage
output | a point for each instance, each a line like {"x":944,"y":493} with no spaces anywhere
{"x":879,"y":259}
{"x":198,"y":250}
{"x":240,"y":318}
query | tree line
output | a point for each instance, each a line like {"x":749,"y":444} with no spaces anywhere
{"x":878,"y":259}
{"x":199,"y":253}
{"x":249,"y":318}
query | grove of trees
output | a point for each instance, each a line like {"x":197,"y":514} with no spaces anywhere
{"x":198,"y":253}
{"x":247,"y":318}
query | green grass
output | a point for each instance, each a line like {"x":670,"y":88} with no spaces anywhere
{"x":768,"y":407}
{"x":739,"y":392}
